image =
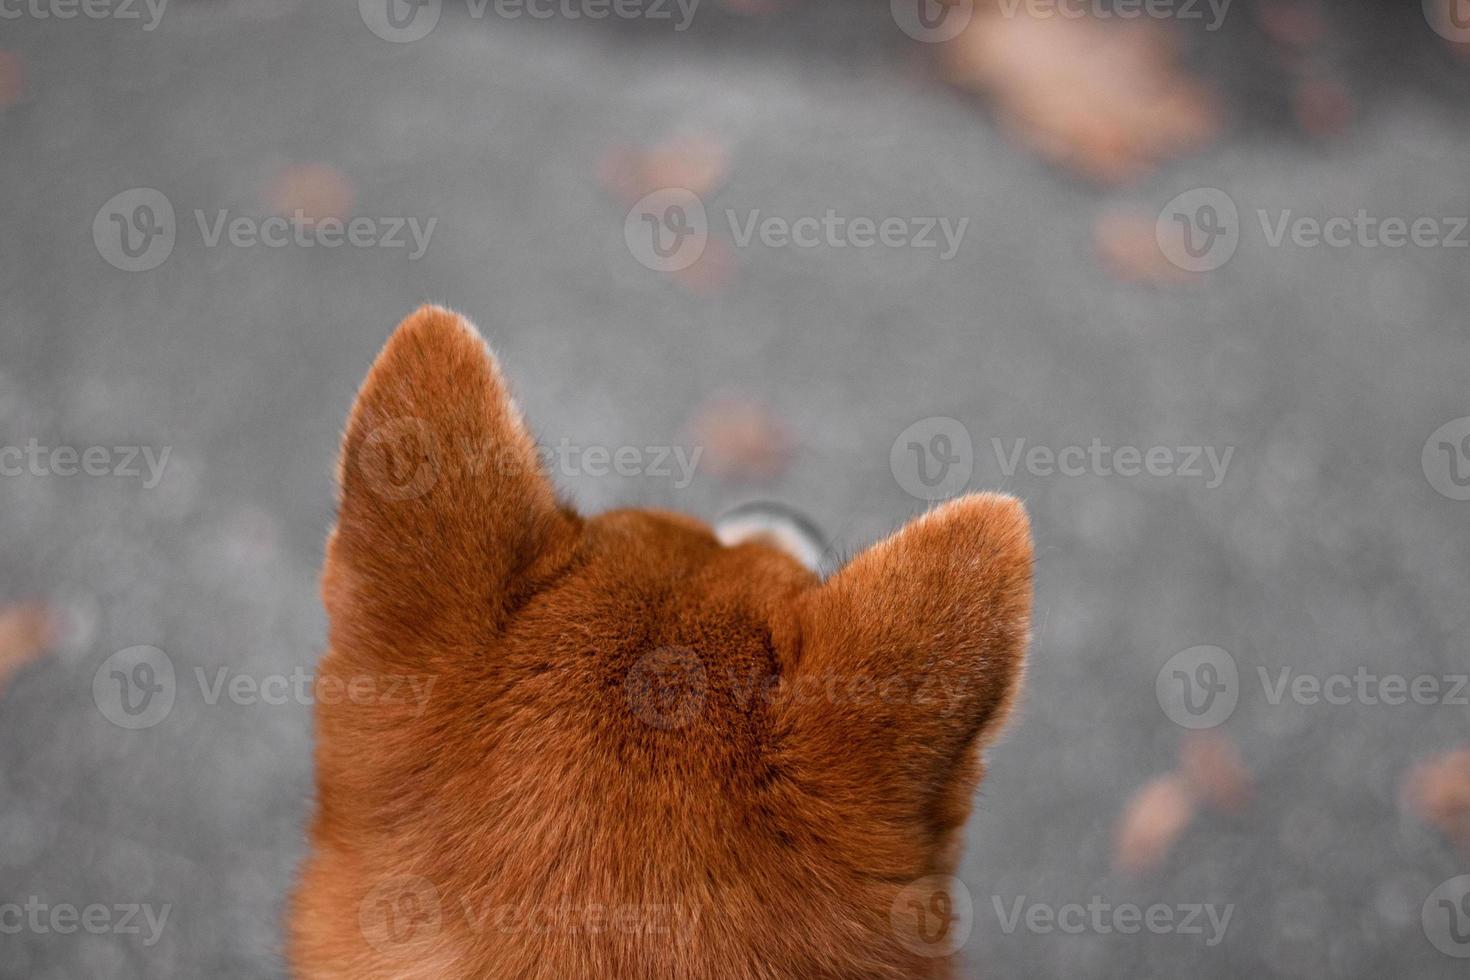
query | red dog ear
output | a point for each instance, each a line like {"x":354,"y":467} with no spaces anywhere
{"x":445,"y":515}
{"x":907,"y":661}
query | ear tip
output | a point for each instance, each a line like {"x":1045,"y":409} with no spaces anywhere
{"x":432,"y":360}
{"x":995,"y":525}
{"x":998,"y":514}
{"x":426,"y":341}
{"x":432,"y":322}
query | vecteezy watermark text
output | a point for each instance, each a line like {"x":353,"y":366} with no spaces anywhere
{"x":1100,"y":917}
{"x":136,"y":688}
{"x":400,"y":913}
{"x":402,"y":21}
{"x":34,"y":459}
{"x":1097,"y":459}
{"x":833,"y":230}
{"x":934,"y":458}
{"x":64,"y":918}
{"x":668,"y":230}
{"x":125,"y":10}
{"x":1201,"y":686}
{"x":668,"y":688}
{"x":136,"y":230}
{"x":1201,"y":229}
{"x":404,"y":458}
{"x":1214,"y":10}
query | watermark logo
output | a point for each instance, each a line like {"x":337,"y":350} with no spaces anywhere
{"x":401,"y":915}
{"x":134,"y":231}
{"x":90,"y":9}
{"x":669,"y":687}
{"x":400,"y":21}
{"x":1450,"y":19}
{"x":1446,"y":459}
{"x":932,"y":21}
{"x":933,"y":459}
{"x":400,"y":459}
{"x":1100,"y":917}
{"x":135,"y":688}
{"x":1446,"y":917}
{"x":666,"y":689}
{"x":1199,"y":230}
{"x":933,"y":916}
{"x":398,"y":915}
{"x":404,"y":458}
{"x":667,"y":230}
{"x":1198,"y":687}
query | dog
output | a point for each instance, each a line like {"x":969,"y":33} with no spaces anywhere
{"x":552,"y":745}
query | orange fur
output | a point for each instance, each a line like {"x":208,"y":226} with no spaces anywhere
{"x":612,"y":747}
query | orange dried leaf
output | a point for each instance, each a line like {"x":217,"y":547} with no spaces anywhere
{"x":713,"y":272}
{"x":1295,"y":23}
{"x":12,"y":79}
{"x":1128,"y":245}
{"x":1153,"y":821}
{"x":1212,"y":766}
{"x":1106,"y":99}
{"x":1323,"y":107}
{"x":1438,"y":792}
{"x":26,"y":630}
{"x":741,"y":439}
{"x":697,"y":163}
{"x":317,"y":190}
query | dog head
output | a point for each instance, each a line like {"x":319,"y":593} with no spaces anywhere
{"x":620,"y":747}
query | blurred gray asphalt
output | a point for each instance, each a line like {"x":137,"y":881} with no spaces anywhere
{"x":1324,"y":549}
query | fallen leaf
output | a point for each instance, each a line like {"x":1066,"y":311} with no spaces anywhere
{"x":1437,"y":791}
{"x":1106,"y":99}
{"x":1152,"y":823}
{"x":12,"y":79}
{"x":317,"y":190}
{"x":1211,"y":765}
{"x":26,"y":631}
{"x":1127,"y":242}
{"x":713,"y":272}
{"x":740,"y":439}
{"x":1323,"y":107}
{"x":697,"y":163}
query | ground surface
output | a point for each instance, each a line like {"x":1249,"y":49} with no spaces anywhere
{"x":1324,"y":548}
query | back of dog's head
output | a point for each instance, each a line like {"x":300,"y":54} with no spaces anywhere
{"x":551,"y":745}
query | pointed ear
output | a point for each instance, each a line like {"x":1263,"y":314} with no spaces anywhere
{"x":908,"y":660}
{"x":445,"y":516}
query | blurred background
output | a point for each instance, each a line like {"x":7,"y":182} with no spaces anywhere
{"x":1188,"y":278}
